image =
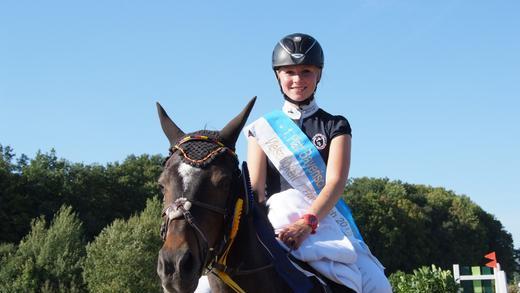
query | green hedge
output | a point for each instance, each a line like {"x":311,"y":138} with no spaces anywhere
{"x":425,"y":279}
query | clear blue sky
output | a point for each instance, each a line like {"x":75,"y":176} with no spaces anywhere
{"x":431,"y":88}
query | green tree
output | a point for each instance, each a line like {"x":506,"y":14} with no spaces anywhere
{"x":123,"y":257}
{"x":14,"y":208}
{"x":99,"y":194}
{"x":47,"y":259}
{"x":408,"y":226}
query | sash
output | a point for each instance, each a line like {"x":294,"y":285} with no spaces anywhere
{"x":299,"y":162}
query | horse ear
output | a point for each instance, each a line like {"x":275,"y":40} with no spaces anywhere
{"x":229,"y":134}
{"x":173,"y":133}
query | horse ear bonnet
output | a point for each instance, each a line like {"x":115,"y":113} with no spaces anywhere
{"x":201,"y":152}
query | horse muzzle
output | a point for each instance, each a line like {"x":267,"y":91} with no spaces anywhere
{"x":179,"y":271}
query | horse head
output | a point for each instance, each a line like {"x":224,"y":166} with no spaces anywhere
{"x":200,"y":183}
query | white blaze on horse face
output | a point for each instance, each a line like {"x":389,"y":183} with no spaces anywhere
{"x":187,"y":173}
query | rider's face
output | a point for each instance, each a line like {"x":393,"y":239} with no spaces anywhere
{"x":298,"y":82}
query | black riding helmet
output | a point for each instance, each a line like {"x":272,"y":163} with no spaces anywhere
{"x":297,"y":49}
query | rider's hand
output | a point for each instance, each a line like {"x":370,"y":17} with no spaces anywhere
{"x":294,"y":234}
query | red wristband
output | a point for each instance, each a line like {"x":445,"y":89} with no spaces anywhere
{"x":312,"y":221}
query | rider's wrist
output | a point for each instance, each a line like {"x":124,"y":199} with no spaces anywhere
{"x":311,"y":220}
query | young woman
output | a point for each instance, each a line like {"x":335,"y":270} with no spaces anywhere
{"x":299,"y":161}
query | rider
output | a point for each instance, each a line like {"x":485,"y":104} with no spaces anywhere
{"x":297,"y":62}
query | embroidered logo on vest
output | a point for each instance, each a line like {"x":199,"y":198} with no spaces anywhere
{"x":320,"y":141}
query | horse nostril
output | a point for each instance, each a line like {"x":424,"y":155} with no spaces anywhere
{"x":187,"y":263}
{"x":165,"y":267}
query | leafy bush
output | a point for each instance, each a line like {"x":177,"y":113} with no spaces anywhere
{"x":123,"y":257}
{"x":47,"y":259}
{"x":514,"y":283}
{"x":425,"y":279}
{"x":6,"y":249}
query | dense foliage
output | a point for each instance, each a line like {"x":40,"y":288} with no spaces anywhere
{"x":123,"y":257}
{"x":48,"y":259}
{"x":514,"y":284}
{"x":425,"y":279}
{"x":408,"y":226}
{"x":99,"y":194}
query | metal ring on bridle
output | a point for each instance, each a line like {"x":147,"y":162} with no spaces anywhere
{"x":181,"y":207}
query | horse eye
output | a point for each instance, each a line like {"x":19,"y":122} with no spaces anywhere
{"x":161,"y":187}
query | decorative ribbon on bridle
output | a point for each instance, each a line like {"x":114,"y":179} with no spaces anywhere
{"x":223,"y":258}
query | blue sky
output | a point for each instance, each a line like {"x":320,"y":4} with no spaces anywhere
{"x":431,"y":88}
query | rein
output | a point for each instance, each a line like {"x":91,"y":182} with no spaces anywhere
{"x":215,"y":259}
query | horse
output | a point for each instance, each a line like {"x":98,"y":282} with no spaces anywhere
{"x":209,"y":215}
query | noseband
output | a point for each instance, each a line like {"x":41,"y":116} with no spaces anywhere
{"x":198,"y":151}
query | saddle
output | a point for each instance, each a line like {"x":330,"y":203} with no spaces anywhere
{"x":300,"y":276}
{"x":321,"y":283}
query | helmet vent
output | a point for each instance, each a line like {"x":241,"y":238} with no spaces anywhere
{"x":297,"y":49}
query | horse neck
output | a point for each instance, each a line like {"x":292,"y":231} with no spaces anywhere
{"x":249,"y":254}
{"x":247,"y":251}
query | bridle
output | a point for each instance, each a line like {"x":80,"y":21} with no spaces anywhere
{"x":215,"y":258}
{"x":180,"y":208}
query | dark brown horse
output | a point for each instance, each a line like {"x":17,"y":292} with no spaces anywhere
{"x":201,"y":184}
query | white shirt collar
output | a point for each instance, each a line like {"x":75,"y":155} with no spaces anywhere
{"x":296,"y":112}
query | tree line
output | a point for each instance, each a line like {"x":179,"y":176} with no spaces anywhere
{"x":30,"y":188}
{"x":76,"y":227}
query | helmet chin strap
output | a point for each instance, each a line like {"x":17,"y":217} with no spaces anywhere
{"x":299,"y":103}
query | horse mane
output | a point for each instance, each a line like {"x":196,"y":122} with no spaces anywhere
{"x":262,"y":210}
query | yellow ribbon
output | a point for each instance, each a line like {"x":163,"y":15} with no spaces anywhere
{"x":223,"y":258}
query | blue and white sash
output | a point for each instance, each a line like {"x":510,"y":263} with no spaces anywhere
{"x":299,"y":162}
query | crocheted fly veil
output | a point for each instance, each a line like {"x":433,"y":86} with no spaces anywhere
{"x":200,"y":148}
